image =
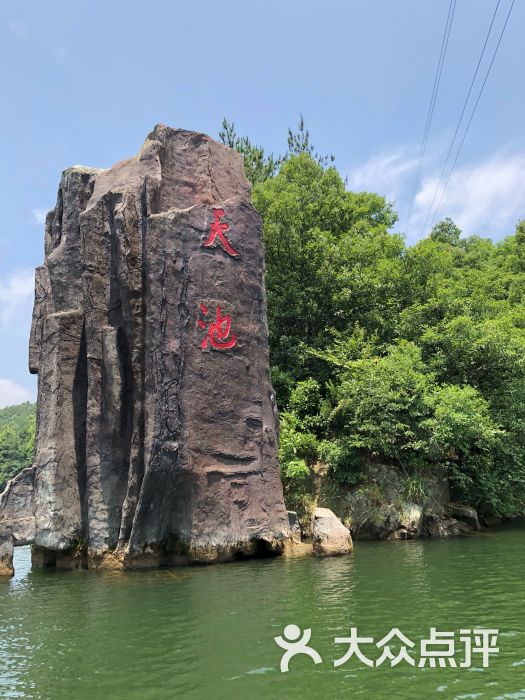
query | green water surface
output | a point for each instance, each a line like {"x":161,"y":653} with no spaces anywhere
{"x":207,"y":632}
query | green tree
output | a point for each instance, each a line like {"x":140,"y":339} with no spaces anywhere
{"x":446,"y":231}
{"x":258,"y":167}
{"x":299,"y":142}
{"x":17,"y":440}
{"x":383,"y":404}
{"x":316,"y":235}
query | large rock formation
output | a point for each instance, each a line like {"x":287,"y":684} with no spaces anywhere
{"x":156,"y":420}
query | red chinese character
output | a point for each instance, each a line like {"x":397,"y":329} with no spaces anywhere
{"x":218,"y":332}
{"x":217,"y":229}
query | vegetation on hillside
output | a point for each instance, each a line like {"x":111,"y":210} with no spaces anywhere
{"x":409,"y":355}
{"x":17,"y":440}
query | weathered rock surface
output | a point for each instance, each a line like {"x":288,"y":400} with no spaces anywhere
{"x":295,"y":526}
{"x":401,"y":521}
{"x":16,"y":506}
{"x":407,"y":523}
{"x":437,"y":525}
{"x":466,"y":514}
{"x":6,"y":551}
{"x":383,"y":509}
{"x":329,"y":536}
{"x":156,"y":420}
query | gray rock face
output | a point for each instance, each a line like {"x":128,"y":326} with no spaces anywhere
{"x":295,"y":526}
{"x":156,"y":421}
{"x":6,"y":551}
{"x":408,"y":522}
{"x":435,"y":525}
{"x":382,"y":510}
{"x":400,"y":521}
{"x":16,"y":506}
{"x":466,"y":514}
{"x":329,"y":536}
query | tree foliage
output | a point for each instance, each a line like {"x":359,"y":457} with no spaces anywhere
{"x":17,"y":440}
{"x":410,"y":355}
{"x":258,"y":167}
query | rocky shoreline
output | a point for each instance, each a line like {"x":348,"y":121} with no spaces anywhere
{"x":381,"y":509}
{"x":321,"y":535}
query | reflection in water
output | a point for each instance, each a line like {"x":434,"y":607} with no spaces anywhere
{"x":208,"y":632}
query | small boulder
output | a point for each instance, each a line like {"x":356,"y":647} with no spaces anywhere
{"x":466,"y":514}
{"x":329,"y":536}
{"x":6,"y":551}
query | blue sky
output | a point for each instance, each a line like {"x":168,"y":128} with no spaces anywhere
{"x":84,"y":82}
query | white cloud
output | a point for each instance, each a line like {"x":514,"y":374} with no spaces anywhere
{"x":486,"y":198}
{"x":386,"y":173}
{"x":39,"y":215}
{"x":12,"y":393}
{"x":16,"y":292}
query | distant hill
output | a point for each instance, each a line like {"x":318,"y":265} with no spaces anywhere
{"x":17,"y":439}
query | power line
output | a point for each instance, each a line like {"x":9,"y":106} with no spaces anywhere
{"x":474,"y":109}
{"x":442,"y":176}
{"x":437,"y":80}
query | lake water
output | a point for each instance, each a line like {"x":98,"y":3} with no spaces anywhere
{"x":208,"y":632}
